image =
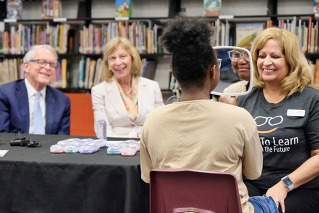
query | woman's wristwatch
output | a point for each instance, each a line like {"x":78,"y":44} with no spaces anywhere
{"x":288,"y":182}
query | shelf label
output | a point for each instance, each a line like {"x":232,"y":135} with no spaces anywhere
{"x":226,"y":17}
{"x":59,"y":19}
{"x":121,"y":18}
{"x":10,"y":20}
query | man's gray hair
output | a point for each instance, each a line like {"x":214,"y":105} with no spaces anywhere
{"x":31,"y":53}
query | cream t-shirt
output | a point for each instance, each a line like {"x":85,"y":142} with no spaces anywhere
{"x":204,"y":135}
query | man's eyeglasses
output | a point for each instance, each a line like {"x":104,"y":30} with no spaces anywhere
{"x":43,"y":63}
{"x":219,"y":63}
{"x":235,"y":55}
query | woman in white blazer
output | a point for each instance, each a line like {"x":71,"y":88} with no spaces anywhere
{"x":125,"y":98}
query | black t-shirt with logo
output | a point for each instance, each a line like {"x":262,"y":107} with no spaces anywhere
{"x":288,"y":131}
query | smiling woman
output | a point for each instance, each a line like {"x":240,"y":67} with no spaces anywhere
{"x":237,"y":60}
{"x":286,"y":109}
{"x":125,"y":98}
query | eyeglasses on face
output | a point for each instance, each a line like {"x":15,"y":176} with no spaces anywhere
{"x":219,"y":63}
{"x":235,"y":55}
{"x":43,"y":63}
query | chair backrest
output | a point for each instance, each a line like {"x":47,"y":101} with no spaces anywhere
{"x":206,"y":190}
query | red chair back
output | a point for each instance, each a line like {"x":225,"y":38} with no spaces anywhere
{"x":179,"y":188}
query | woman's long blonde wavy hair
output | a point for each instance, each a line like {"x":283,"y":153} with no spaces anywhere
{"x":299,"y":73}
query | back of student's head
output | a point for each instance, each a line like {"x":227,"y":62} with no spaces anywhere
{"x":189,"y":41}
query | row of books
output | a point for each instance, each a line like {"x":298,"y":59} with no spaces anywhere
{"x":143,"y":35}
{"x":19,"y":39}
{"x":91,"y":39}
{"x":88,"y":74}
{"x":306,"y":30}
{"x":71,"y":38}
{"x":10,"y":70}
{"x":227,"y":32}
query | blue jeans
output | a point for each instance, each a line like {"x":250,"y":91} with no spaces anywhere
{"x":263,"y":204}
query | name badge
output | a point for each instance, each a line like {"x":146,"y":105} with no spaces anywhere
{"x":296,"y":112}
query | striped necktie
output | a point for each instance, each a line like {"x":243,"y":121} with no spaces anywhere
{"x":37,"y":116}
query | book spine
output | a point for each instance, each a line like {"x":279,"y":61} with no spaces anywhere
{"x":309,"y":34}
{"x":64,"y":63}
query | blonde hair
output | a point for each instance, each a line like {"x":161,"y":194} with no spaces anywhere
{"x":299,"y":73}
{"x":111,"y":46}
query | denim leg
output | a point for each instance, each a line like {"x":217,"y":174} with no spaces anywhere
{"x":263,"y":204}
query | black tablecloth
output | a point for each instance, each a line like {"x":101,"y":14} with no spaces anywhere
{"x":35,"y":180}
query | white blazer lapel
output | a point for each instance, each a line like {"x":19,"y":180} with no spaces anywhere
{"x":142,"y":99}
{"x":114,"y":97}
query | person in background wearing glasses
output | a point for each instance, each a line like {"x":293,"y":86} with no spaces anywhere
{"x":227,"y":74}
{"x":18,"y":98}
{"x":240,"y":63}
{"x":191,"y":133}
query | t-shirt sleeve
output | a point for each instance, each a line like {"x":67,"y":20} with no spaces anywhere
{"x":311,"y":128}
{"x":145,"y":159}
{"x":252,"y":154}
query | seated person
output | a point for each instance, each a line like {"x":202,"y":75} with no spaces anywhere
{"x":286,"y":110}
{"x":226,"y":71}
{"x":19,"y":110}
{"x":196,"y":132}
{"x":125,"y":98}
{"x":240,"y":63}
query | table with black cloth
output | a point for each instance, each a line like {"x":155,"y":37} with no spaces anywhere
{"x":37,"y":181}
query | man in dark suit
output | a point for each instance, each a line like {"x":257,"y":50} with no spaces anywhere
{"x":18,"y":98}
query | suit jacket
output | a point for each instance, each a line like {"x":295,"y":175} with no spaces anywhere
{"x":108,"y":105}
{"x":14,"y":109}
